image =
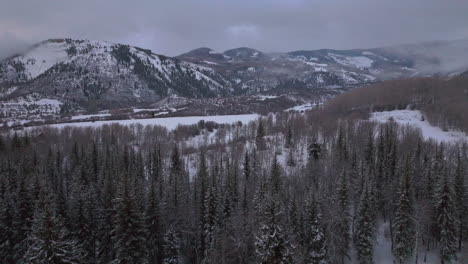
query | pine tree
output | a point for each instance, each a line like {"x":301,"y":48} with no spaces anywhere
{"x":7,"y":230}
{"x":171,"y":247}
{"x":275,"y":177}
{"x":49,"y":241}
{"x":210,"y":219}
{"x":315,"y":150}
{"x":153,"y":223}
{"x":128,"y":226}
{"x":247,"y":180}
{"x":447,"y":221}
{"x":403,"y":223}
{"x":364,"y":228}
{"x":105,"y":250}
{"x":314,"y":236}
{"x":259,"y":138}
{"x":461,"y":199}
{"x":289,"y":139}
{"x":175,"y":182}
{"x":272,"y":244}
{"x":291,"y":162}
{"x":344,"y":220}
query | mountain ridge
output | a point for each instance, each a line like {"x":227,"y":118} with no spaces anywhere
{"x":87,"y":75}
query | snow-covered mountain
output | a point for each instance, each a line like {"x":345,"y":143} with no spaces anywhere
{"x":84,"y":74}
{"x":253,"y":71}
{"x":60,"y":76}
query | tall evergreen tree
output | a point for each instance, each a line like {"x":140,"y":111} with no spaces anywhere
{"x":259,"y":138}
{"x":128,"y":226}
{"x":153,"y":221}
{"x":403,"y":224}
{"x":171,"y":247}
{"x":365,"y":227}
{"x":314,"y":235}
{"x":7,"y":229}
{"x":50,"y":241}
{"x":273,"y":247}
{"x":447,"y":220}
{"x":289,"y":138}
{"x":461,"y":201}
{"x":344,"y":221}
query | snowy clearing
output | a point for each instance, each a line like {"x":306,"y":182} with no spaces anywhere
{"x":43,"y":57}
{"x":413,"y":118}
{"x":168,"y":122}
{"x":78,"y":117}
{"x":301,"y":108}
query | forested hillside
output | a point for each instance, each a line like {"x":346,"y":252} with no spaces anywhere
{"x":443,"y":101}
{"x":288,"y":188}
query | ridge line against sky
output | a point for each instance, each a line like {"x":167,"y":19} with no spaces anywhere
{"x":177,"y":26}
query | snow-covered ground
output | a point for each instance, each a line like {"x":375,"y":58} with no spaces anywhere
{"x":168,"y":122}
{"x":80,"y":117}
{"x":43,"y":57}
{"x":359,"y":62}
{"x":413,"y":118}
{"x":301,"y":108}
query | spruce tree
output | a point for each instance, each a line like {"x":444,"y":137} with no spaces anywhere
{"x":344,"y":220}
{"x":314,"y":236}
{"x":171,"y":247}
{"x":403,"y":223}
{"x":275,"y":177}
{"x":49,"y":241}
{"x":259,"y":138}
{"x":315,"y":150}
{"x":128,"y":226}
{"x":7,"y":229}
{"x":461,"y":201}
{"x":365,"y":227}
{"x":153,"y":221}
{"x":289,"y":139}
{"x":273,"y":247}
{"x":447,"y":221}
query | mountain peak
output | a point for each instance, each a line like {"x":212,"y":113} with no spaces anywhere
{"x":243,"y":52}
{"x":203,"y":51}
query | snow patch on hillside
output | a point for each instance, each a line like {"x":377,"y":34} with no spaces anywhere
{"x":301,"y":108}
{"x":359,"y":62}
{"x":413,"y":118}
{"x":43,"y":57}
{"x":168,"y":122}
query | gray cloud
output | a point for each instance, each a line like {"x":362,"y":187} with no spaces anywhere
{"x":176,"y":26}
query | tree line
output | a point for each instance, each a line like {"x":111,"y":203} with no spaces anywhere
{"x":278,"y":190}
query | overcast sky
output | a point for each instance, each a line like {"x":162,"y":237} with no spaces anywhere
{"x":172,"y":27}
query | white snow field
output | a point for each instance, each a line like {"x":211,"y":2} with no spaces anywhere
{"x":168,"y":122}
{"x":413,"y":118}
{"x":43,"y":57}
{"x":300,"y":108}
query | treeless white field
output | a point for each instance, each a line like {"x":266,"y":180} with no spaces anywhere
{"x":168,"y":122}
{"x":413,"y":118}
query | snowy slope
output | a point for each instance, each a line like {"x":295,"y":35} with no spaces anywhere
{"x":168,"y":122}
{"x":413,"y":118}
{"x":89,"y":73}
{"x":43,"y":57}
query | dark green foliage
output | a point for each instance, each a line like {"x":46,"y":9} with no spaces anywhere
{"x":122,"y":53}
{"x":49,"y":240}
{"x":365,"y":227}
{"x":403,"y":223}
{"x":447,"y":220}
{"x":128,"y":226}
{"x":315,"y":246}
{"x":272,"y":244}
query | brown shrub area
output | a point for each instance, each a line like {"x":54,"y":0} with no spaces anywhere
{"x":444,"y":102}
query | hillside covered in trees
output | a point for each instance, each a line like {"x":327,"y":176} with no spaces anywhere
{"x":443,"y":101}
{"x":287,"y":188}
